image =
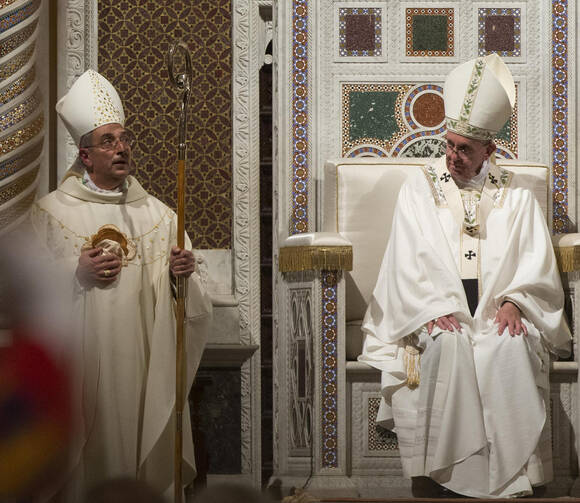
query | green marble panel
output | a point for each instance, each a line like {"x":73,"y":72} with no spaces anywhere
{"x":372,"y":115}
{"x":429,"y":33}
{"x":505,"y":133}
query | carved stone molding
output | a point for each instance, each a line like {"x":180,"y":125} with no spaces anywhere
{"x":80,"y":48}
{"x":247,"y":57}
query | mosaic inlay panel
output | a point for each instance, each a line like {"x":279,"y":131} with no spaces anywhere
{"x":430,"y":32}
{"x":17,"y":210}
{"x":22,"y":121}
{"x":16,"y":16}
{"x":133,"y":43}
{"x":372,"y":116}
{"x":329,"y":357}
{"x":12,"y":190}
{"x":300,"y":167}
{"x":17,"y":87}
{"x":21,"y":111}
{"x":17,"y":39}
{"x":403,"y":120}
{"x":379,"y":439}
{"x":17,"y":162}
{"x":360,"y":32}
{"x":16,"y":63}
{"x":560,"y":115}
{"x":21,"y":136}
{"x":500,"y":30}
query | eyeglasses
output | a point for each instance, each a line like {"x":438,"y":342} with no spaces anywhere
{"x":461,"y":151}
{"x":110,"y":142}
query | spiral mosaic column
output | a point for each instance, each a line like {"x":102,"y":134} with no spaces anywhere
{"x":21,"y":117}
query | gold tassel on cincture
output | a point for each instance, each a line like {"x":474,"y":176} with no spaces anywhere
{"x":412,"y":361}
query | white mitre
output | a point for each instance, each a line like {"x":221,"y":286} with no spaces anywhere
{"x":479,"y":97}
{"x":91,"y":102}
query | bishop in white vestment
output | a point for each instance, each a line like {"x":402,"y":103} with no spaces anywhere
{"x":116,"y":244}
{"x":467,"y":307}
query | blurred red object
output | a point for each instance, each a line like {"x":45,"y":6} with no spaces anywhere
{"x":35,"y":416}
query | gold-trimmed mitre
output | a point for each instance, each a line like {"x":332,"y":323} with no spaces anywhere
{"x":91,"y":102}
{"x":479,"y":96}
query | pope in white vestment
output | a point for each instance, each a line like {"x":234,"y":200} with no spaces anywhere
{"x":117,"y":246}
{"x":469,"y":286}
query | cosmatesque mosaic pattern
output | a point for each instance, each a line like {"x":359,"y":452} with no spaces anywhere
{"x":360,"y":31}
{"x":17,"y":87}
{"x":16,"y":63}
{"x":300,"y":167}
{"x":372,"y":115}
{"x":403,"y":120}
{"x":15,"y":16}
{"x":133,"y":42}
{"x":21,"y":119}
{"x":13,"y":41}
{"x":430,"y":32}
{"x":15,"y":188}
{"x":16,"y":210}
{"x":379,"y":439}
{"x":500,"y":30}
{"x":560,"y":114}
{"x":16,"y":163}
{"x":329,"y":368}
{"x":20,"y":112}
{"x":21,"y":136}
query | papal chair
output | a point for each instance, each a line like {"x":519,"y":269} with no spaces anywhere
{"x":326,"y":401}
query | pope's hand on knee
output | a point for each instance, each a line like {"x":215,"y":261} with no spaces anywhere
{"x":447,"y":322}
{"x":509,"y":316}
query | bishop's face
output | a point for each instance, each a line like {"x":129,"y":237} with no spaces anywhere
{"x":108,"y":159}
{"x":465,"y":156}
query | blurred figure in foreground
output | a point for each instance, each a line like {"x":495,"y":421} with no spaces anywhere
{"x":35,"y":407}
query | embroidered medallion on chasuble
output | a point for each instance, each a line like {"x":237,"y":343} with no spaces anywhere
{"x":479,"y":97}
{"x":113,"y":242}
{"x":470,"y":209}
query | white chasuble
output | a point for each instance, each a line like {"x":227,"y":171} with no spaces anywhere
{"x":125,"y":332}
{"x":477,"y":422}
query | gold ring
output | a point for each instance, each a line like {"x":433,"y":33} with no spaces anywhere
{"x":107,"y":273}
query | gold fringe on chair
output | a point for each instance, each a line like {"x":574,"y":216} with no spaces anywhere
{"x":568,"y":258}
{"x":412,"y":361}
{"x":308,"y":258}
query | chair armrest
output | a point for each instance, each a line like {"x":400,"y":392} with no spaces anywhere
{"x":315,"y":251}
{"x":567,"y":250}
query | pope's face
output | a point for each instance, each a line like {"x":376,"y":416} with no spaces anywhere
{"x":108,"y":158}
{"x":465,"y":156}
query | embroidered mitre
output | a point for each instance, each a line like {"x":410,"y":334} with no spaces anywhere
{"x":479,"y":96}
{"x":92,"y":101}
